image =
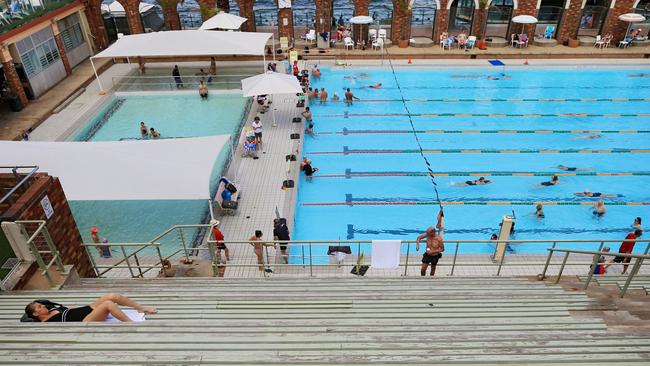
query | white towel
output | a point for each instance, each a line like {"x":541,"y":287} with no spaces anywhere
{"x":131,"y":313}
{"x":385,"y":254}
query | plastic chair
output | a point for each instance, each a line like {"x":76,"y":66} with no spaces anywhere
{"x":378,"y":43}
{"x":311,"y":36}
{"x":625,"y":43}
{"x":548,"y":33}
{"x":523,"y":40}
{"x":348,"y":43}
{"x":600,"y":42}
{"x":382,"y":34}
{"x":372,"y":33}
{"x":471,"y":40}
{"x":514,"y":42}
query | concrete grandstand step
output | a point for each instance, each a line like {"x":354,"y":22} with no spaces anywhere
{"x":480,"y":321}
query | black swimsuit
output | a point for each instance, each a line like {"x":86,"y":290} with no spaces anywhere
{"x":71,"y":315}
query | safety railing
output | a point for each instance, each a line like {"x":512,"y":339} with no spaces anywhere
{"x":184,"y":82}
{"x":22,"y":180}
{"x":598,"y":256}
{"x":42,"y":247}
{"x":311,"y":257}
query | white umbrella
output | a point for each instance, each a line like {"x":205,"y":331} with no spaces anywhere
{"x":223,"y":20}
{"x":270,"y":83}
{"x":523,"y":20}
{"x":631,"y":18}
{"x":361,"y":19}
{"x":116,"y":7}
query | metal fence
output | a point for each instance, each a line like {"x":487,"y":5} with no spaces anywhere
{"x":185,"y":82}
{"x":42,"y":247}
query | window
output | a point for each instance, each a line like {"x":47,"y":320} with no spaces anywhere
{"x":40,"y":57}
{"x":71,"y":32}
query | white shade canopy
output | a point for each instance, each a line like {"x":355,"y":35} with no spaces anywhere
{"x":270,"y":83}
{"x":361,"y":19}
{"x":123,"y":170}
{"x":116,"y":7}
{"x":223,"y":20}
{"x":524,"y":19}
{"x":187,"y":43}
{"x":632,"y":18}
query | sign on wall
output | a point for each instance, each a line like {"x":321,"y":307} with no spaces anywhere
{"x":47,"y":207}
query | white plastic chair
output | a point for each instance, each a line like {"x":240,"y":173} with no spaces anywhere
{"x":348,"y":43}
{"x":600,"y":43}
{"x":373,"y":34}
{"x":311,"y":36}
{"x":378,"y":43}
{"x":382,"y":34}
{"x":471,"y":40}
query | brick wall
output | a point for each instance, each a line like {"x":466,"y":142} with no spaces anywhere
{"x":132,"y":9}
{"x":401,"y":22}
{"x":361,"y":7}
{"x":568,"y":28}
{"x":61,"y":225}
{"x":246,"y":11}
{"x":285,"y":30}
{"x":223,"y":5}
{"x":442,"y":20}
{"x":479,"y":23}
{"x":96,"y":23}
{"x":61,"y":47}
{"x":324,"y":12}
{"x":615,"y":26}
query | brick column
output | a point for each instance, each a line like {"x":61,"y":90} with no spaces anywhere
{"x":401,"y":22}
{"x":323,"y":16}
{"x":208,"y":8}
{"x":11,"y":76}
{"x":59,"y":44}
{"x":525,"y":7}
{"x":223,"y":5}
{"x":570,"y":21}
{"x":246,"y":11}
{"x":361,"y":7}
{"x":285,"y":30}
{"x":442,"y":21}
{"x":615,"y":26}
{"x":479,"y":23}
{"x":95,"y":20}
{"x":170,"y":13}
{"x":132,"y":9}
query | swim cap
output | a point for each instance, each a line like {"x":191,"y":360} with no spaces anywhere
{"x":93,"y":230}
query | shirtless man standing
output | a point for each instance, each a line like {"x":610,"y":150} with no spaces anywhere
{"x":435,"y":246}
{"x":258,"y":245}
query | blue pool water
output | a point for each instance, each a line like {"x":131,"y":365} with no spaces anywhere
{"x":455,"y":110}
{"x":174,"y":116}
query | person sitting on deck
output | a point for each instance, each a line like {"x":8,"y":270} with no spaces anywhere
{"x":98,"y":311}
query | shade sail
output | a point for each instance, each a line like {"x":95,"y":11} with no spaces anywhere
{"x":270,"y":83}
{"x":123,"y":170}
{"x":524,"y":19}
{"x":361,"y":19}
{"x":188,"y":43}
{"x":632,"y":18}
{"x":223,"y":20}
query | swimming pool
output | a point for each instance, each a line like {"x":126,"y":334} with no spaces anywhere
{"x":174,"y":116}
{"x":515,"y":129}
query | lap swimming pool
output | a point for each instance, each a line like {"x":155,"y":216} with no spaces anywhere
{"x":516,"y":129}
{"x":174,"y":116}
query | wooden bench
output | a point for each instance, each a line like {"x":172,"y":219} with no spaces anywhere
{"x":219,"y":200}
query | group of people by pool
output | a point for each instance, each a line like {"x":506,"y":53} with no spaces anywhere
{"x":150,"y":133}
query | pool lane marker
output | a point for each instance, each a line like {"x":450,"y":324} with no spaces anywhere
{"x":347,"y":115}
{"x":493,"y":100}
{"x":350,"y":174}
{"x":346,"y":131}
{"x":347,"y":151}
{"x":350,"y":202}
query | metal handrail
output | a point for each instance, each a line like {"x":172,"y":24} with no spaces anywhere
{"x":38,"y":254}
{"x":597,"y":254}
{"x":14,"y":170}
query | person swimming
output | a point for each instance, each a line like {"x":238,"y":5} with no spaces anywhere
{"x":572,"y":168}
{"x":539,"y":213}
{"x":551,"y":182}
{"x":589,"y":137}
{"x":587,"y":193}
{"x":376,"y":86}
{"x":477,"y":182}
{"x":599,"y":208}
{"x":361,"y":75}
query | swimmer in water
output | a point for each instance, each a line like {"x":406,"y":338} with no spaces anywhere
{"x":539,"y":213}
{"x":573,"y":169}
{"x":478,"y":182}
{"x":589,"y":137}
{"x":586,"y":193}
{"x":551,"y":182}
{"x":599,"y":208}
{"x":361,"y":75}
{"x":376,"y":86}
{"x":501,"y":76}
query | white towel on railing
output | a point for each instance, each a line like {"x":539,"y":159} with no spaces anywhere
{"x":133,"y":314}
{"x":385,"y":254}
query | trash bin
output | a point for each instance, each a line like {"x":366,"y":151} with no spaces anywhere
{"x":15,"y":104}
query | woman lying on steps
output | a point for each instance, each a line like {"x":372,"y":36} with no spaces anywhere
{"x":98,"y":311}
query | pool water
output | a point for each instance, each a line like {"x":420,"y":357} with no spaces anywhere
{"x":174,"y":116}
{"x":518,"y":128}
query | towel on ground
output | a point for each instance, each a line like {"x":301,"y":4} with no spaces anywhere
{"x":133,"y":314}
{"x":385,"y":254}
